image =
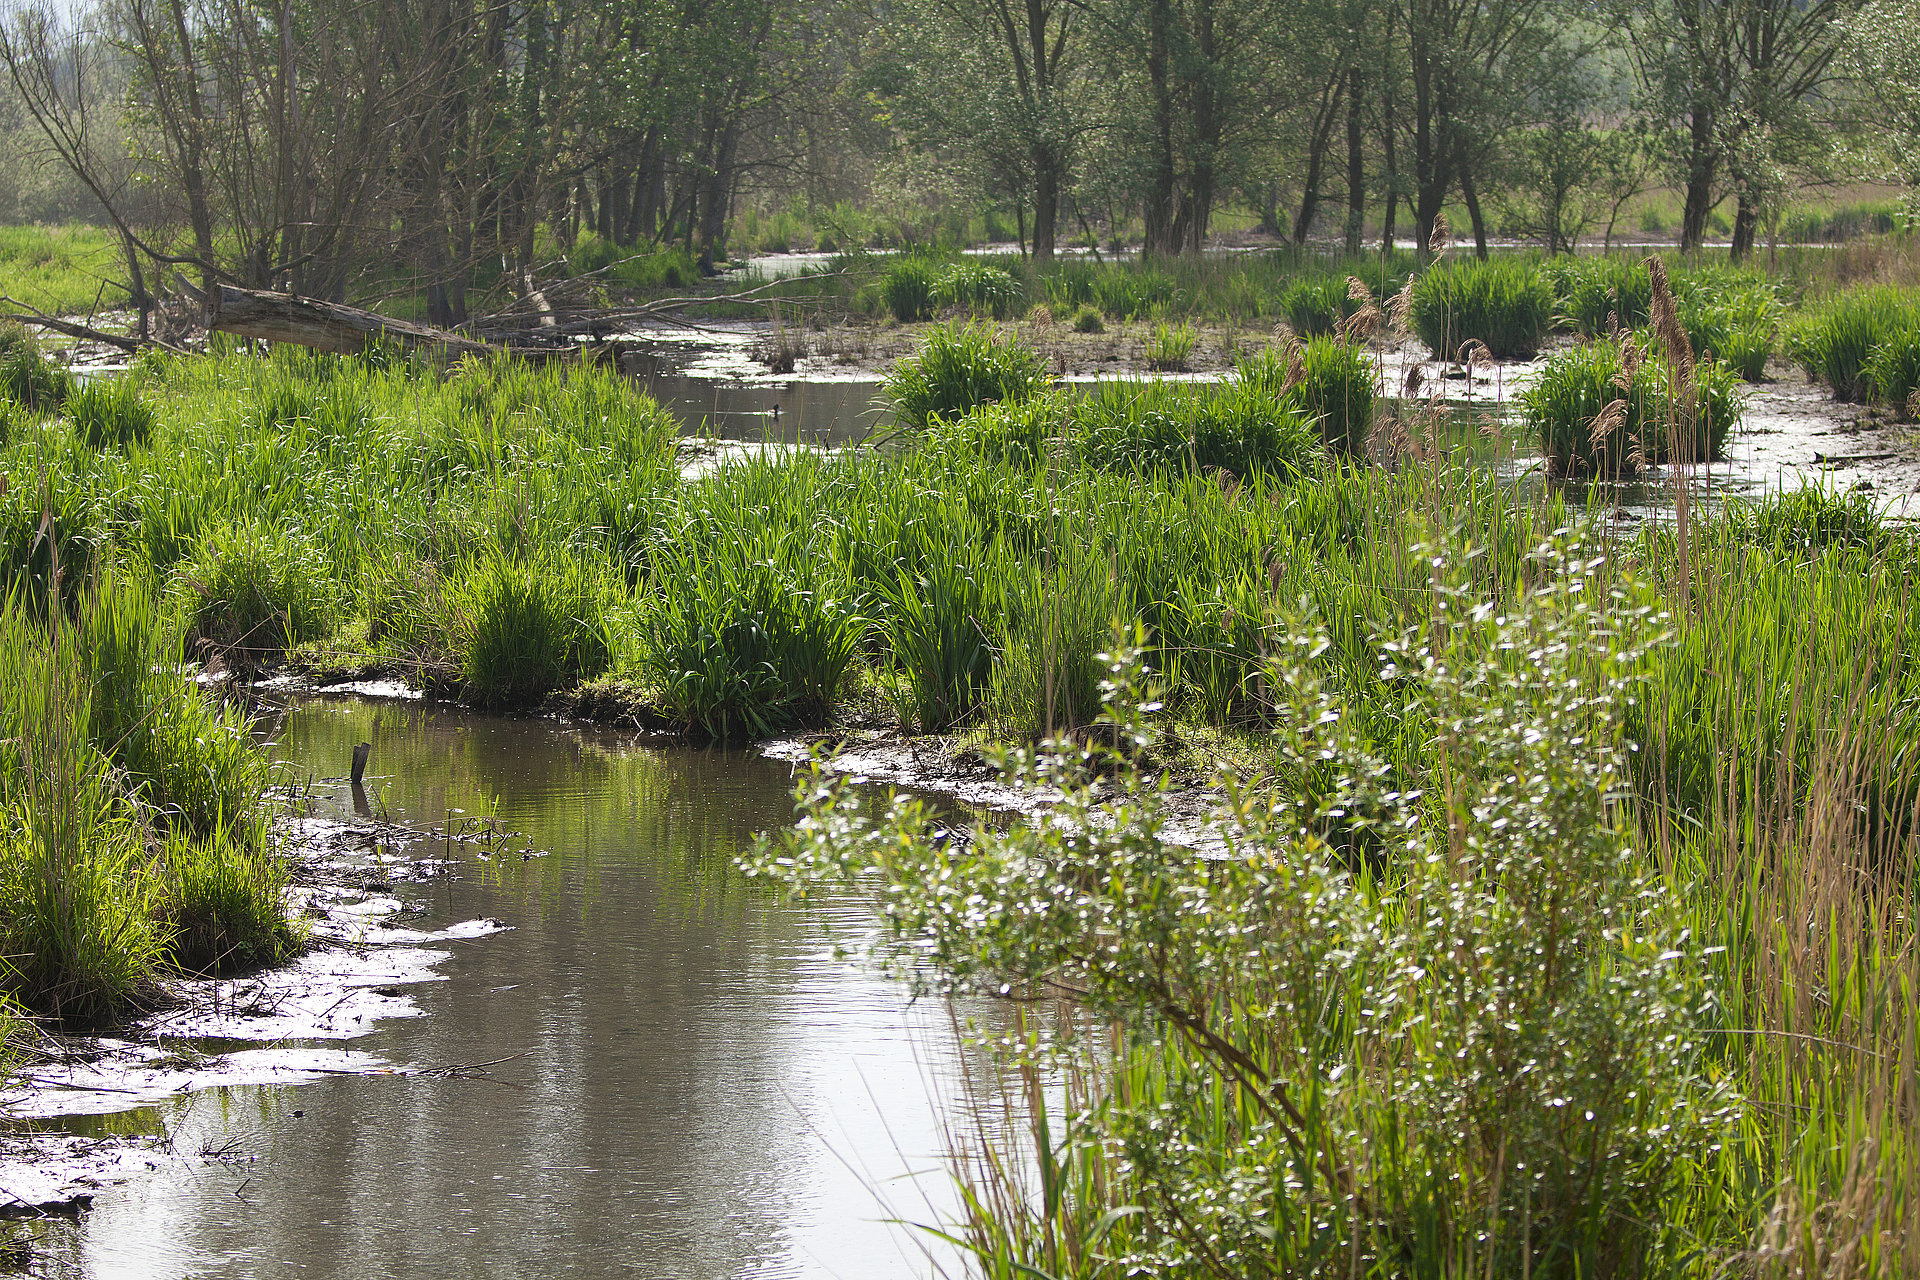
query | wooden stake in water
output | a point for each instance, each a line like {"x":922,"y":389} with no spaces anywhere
{"x":360,"y":753}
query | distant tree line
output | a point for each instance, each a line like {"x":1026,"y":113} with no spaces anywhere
{"x":435,"y":147}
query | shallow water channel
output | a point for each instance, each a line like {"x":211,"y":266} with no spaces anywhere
{"x":706,"y":1090}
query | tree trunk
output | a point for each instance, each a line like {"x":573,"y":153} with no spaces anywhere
{"x":1158,"y":211}
{"x":1046,"y":212}
{"x":1701,"y":168}
{"x":1469,"y":194}
{"x":1316,"y":157}
{"x":1356,"y":164}
{"x":1746,"y":221}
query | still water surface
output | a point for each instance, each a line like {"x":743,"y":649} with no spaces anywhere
{"x":708,"y":1091}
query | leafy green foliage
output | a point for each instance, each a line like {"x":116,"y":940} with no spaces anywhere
{"x":1314,"y":1064}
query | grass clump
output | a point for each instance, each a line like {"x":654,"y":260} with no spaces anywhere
{"x":1317,"y":304}
{"x":1170,"y":346}
{"x":1598,"y":297}
{"x":907,"y":288}
{"x":1059,"y":614}
{"x":958,"y":368}
{"x":131,"y":836}
{"x":1505,"y":304}
{"x":224,"y":902}
{"x":1330,"y":380}
{"x":1607,"y":408}
{"x":1894,"y":370}
{"x":111,"y":414}
{"x":939,"y":623}
{"x":1086,"y":319}
{"x":1813,"y":519}
{"x":27,"y":377}
{"x":1836,"y":345}
{"x":978,"y":288}
{"x":1738,"y":324}
{"x":741,"y":642}
{"x":254,"y":590}
{"x":527,"y":629}
{"x":1158,"y":427}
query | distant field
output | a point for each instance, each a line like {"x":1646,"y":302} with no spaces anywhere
{"x":62,"y":270}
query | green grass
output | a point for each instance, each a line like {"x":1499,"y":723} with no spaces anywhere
{"x":1170,"y":346}
{"x":27,"y":377}
{"x":908,"y":286}
{"x":1334,"y":382}
{"x":111,"y":414}
{"x":528,"y":630}
{"x":1565,"y":411}
{"x":1506,"y":304}
{"x":67,"y":270}
{"x":134,"y":837}
{"x":1836,"y":343}
{"x":1598,"y":296}
{"x":958,"y":368}
{"x":978,"y":288}
{"x":1315,"y":305}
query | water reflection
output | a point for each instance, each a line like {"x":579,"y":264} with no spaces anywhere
{"x":706,"y":1091}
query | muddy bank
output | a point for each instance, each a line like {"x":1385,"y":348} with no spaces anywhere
{"x":281,"y":1026}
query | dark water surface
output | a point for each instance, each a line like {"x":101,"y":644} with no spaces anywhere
{"x":708,"y":1091}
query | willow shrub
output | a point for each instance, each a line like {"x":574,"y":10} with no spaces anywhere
{"x":1483,"y":1065}
{"x":1504,"y":303}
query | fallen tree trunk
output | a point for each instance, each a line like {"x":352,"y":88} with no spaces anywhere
{"x":27,"y":315}
{"x":332,"y":326}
